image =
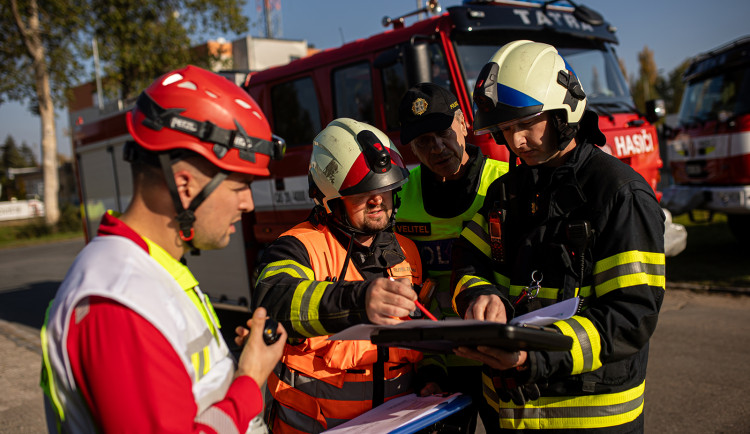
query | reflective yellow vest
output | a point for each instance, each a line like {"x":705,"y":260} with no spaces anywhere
{"x":434,"y":236}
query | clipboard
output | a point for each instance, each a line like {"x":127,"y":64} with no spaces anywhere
{"x":443,"y":410}
{"x":445,"y":338}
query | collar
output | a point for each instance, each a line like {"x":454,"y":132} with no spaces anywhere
{"x":111,"y":225}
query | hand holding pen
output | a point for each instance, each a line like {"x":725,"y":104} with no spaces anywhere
{"x":419,"y":305}
{"x":388,"y":300}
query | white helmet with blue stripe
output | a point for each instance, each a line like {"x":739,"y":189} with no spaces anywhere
{"x":525,"y":78}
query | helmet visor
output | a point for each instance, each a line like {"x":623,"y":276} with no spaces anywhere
{"x":520,"y":123}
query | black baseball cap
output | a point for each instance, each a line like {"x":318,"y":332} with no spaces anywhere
{"x":425,"y":108}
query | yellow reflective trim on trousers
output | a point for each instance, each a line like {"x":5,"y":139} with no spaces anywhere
{"x":49,"y":387}
{"x":490,"y":395}
{"x":575,"y":412}
{"x":587,"y":345}
{"x":476,"y":239}
{"x":304,"y":314}
{"x":292,"y":268}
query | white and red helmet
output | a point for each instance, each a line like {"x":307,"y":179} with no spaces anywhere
{"x":351,"y":157}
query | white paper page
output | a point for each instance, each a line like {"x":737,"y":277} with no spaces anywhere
{"x":547,"y":315}
{"x":392,"y":414}
{"x":364,"y":331}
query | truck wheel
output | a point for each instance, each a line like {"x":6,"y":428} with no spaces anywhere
{"x":739,"y":224}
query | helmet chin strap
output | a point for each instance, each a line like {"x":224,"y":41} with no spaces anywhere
{"x":351,"y":231}
{"x":565,"y":131}
{"x":186,"y":217}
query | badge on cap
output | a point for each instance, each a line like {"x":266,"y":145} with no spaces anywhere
{"x":419,"y":106}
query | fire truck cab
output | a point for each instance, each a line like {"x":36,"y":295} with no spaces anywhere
{"x":709,"y":150}
{"x":365,"y":80}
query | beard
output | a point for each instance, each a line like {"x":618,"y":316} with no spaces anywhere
{"x":376,"y":224}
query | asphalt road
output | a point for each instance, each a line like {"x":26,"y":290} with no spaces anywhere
{"x":698,"y":376}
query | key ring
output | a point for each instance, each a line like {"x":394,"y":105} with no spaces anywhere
{"x":536,"y":283}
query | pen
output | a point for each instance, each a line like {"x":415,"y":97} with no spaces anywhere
{"x":425,"y":311}
{"x":419,"y":305}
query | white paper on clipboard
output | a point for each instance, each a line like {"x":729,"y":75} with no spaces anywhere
{"x":547,"y":315}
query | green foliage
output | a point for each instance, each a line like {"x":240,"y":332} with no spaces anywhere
{"x":60,"y":23}
{"x":138,"y":41}
{"x":38,"y":231}
{"x":671,"y":87}
{"x":644,"y":88}
{"x":37,"y":228}
{"x":13,"y":157}
{"x":650,"y":84}
{"x":70,"y":219}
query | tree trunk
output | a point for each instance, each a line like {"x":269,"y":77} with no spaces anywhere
{"x":49,"y":146}
{"x":32,"y":38}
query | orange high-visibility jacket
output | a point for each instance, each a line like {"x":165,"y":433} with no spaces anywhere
{"x":320,"y":383}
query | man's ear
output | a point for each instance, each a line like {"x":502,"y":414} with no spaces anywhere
{"x":186,"y":186}
{"x":464,"y":127}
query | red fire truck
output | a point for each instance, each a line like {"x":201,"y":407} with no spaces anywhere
{"x":709,"y":151}
{"x":365,"y":80}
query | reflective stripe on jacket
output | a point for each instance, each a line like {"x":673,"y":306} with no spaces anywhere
{"x":116,"y":268}
{"x":320,"y":383}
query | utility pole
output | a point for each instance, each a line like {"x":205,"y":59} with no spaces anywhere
{"x":267,"y":13}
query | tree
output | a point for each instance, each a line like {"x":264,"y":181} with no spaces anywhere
{"x":644,"y":88}
{"x":672,"y":87}
{"x":139,"y":41}
{"x":11,"y":157}
{"x":28,"y":155}
{"x":37,"y":66}
{"x":44,"y":39}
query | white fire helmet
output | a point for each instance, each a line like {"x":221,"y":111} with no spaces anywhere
{"x":351,"y":157}
{"x":522,"y":79}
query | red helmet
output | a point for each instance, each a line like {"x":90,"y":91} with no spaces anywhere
{"x":197,"y":110}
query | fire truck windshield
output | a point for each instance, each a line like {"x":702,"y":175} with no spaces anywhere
{"x":597,"y":70}
{"x":719,"y":97}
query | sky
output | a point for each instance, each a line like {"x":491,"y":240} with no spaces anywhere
{"x":674,"y":30}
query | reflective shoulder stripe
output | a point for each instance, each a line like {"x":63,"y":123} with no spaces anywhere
{"x":304,"y":314}
{"x":475,"y":232}
{"x":587,"y":344}
{"x":629,"y":269}
{"x":288,"y":266}
{"x":576,"y":412}
{"x":217,"y":419}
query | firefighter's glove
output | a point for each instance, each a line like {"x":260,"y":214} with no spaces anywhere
{"x":510,"y":386}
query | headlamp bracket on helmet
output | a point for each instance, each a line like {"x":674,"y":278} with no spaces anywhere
{"x":485,"y":90}
{"x":157,"y":117}
{"x":575,"y":92}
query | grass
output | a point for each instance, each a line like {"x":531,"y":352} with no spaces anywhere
{"x":712,"y":257}
{"x":19,"y":236}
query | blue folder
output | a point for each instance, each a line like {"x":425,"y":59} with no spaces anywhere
{"x":443,"y":410}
